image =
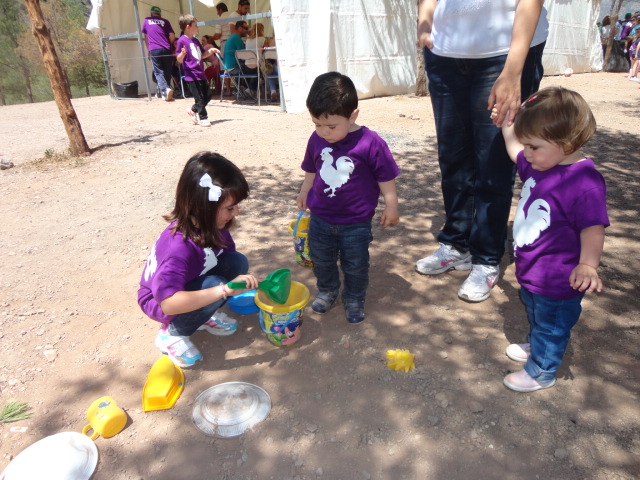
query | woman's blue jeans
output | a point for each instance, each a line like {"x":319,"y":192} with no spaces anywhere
{"x":477,"y":173}
{"x":550,"y":323}
{"x":229,"y":266}
{"x":329,"y":243}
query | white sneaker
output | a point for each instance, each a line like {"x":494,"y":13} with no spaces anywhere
{"x":179,"y":349}
{"x":168,"y":96}
{"x":518,"y":352}
{"x":220,"y":324}
{"x":204,"y":122}
{"x":477,"y":287}
{"x":522,"y":382}
{"x":193,"y":116}
{"x":445,"y":258}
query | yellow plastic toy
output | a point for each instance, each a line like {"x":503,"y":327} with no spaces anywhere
{"x":400,"y":360}
{"x":163,"y":386}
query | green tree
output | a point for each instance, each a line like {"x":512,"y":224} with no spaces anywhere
{"x":16,"y":71}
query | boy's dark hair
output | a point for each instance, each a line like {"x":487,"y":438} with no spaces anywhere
{"x":222,"y":6}
{"x":185,"y":20}
{"x":332,"y":93}
{"x":558,"y":116}
{"x":195,"y":215}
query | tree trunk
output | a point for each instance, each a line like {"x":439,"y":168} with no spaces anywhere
{"x":613,"y":15}
{"x":59,"y":82}
{"x":27,"y":79}
{"x":421,"y":78}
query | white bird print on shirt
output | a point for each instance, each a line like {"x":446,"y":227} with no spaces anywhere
{"x":152,"y":264}
{"x":210,"y":260}
{"x":336,"y":176}
{"x":527,"y":227}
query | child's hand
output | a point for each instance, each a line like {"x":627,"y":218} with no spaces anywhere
{"x":390,"y":216}
{"x":585,"y":277}
{"x":251,"y":281}
{"x":301,"y":200}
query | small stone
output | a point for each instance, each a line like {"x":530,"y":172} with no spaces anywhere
{"x":475,"y":407}
{"x":561,"y":453}
{"x":50,"y":355}
{"x":433,"y":420}
{"x":443,"y":354}
{"x":5,"y":163}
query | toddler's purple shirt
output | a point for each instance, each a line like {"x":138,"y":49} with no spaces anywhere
{"x":345,"y":189}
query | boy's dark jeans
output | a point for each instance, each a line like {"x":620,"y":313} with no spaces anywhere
{"x":348,"y":243}
{"x":201,"y":95}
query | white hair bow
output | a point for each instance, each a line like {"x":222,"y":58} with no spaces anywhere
{"x":214,"y":190}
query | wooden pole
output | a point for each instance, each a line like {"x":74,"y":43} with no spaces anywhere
{"x":59,"y":82}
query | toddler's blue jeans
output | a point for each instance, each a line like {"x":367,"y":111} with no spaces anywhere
{"x":229,"y":266}
{"x":329,"y":243}
{"x":550,"y":323}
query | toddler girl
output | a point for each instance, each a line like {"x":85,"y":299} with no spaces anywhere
{"x":558,"y":230}
{"x":184,"y":281}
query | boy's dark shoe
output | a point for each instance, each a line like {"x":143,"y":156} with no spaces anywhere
{"x":323,"y":302}
{"x":354,"y":310}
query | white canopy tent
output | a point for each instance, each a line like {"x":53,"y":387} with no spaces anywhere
{"x":372,"y":41}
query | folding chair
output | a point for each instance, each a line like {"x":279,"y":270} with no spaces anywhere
{"x":224,"y":75}
{"x":269,"y":55}
{"x":242,"y":79}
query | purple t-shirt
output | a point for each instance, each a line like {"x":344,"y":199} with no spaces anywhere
{"x":172,"y":263}
{"x":345,"y":189}
{"x":157,"y":30}
{"x":554,"y":207}
{"x":192,"y":66}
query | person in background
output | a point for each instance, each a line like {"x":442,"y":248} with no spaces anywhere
{"x":190,"y":54}
{"x":243,"y":9}
{"x":467,"y":77}
{"x":234,"y":43}
{"x":255,"y":42}
{"x":159,"y":37}
{"x":221,"y":30}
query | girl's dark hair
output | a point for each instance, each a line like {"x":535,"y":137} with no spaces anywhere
{"x":332,"y":93}
{"x":558,"y":116}
{"x":195,"y":215}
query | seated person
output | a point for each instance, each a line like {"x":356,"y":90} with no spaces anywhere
{"x":256,"y":42}
{"x":234,"y":42}
{"x":213,"y":69}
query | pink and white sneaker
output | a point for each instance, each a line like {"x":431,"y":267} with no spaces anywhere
{"x":220,"y":324}
{"x":522,"y":382}
{"x":179,"y":349}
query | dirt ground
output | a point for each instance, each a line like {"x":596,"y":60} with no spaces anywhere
{"x":76,"y":232}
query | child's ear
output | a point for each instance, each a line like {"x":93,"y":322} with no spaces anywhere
{"x":354,"y":116}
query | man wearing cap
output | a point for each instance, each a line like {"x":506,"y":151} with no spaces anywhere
{"x":159,"y":37}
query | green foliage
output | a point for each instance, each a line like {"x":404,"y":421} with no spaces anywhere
{"x":22,"y":75}
{"x":14,"y":411}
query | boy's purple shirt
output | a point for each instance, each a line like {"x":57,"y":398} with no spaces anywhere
{"x":192,"y":66}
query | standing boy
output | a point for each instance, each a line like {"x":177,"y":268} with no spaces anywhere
{"x":159,"y":36}
{"x":346,"y":167}
{"x":190,"y":55}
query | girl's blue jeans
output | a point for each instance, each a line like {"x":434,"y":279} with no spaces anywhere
{"x":230,"y":265}
{"x":550,"y":323}
{"x":477,"y":174}
{"x":349,"y":244}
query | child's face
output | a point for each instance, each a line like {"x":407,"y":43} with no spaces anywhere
{"x":191,"y":29}
{"x":227,"y":212}
{"x":334,"y":128}
{"x":543,"y":155}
